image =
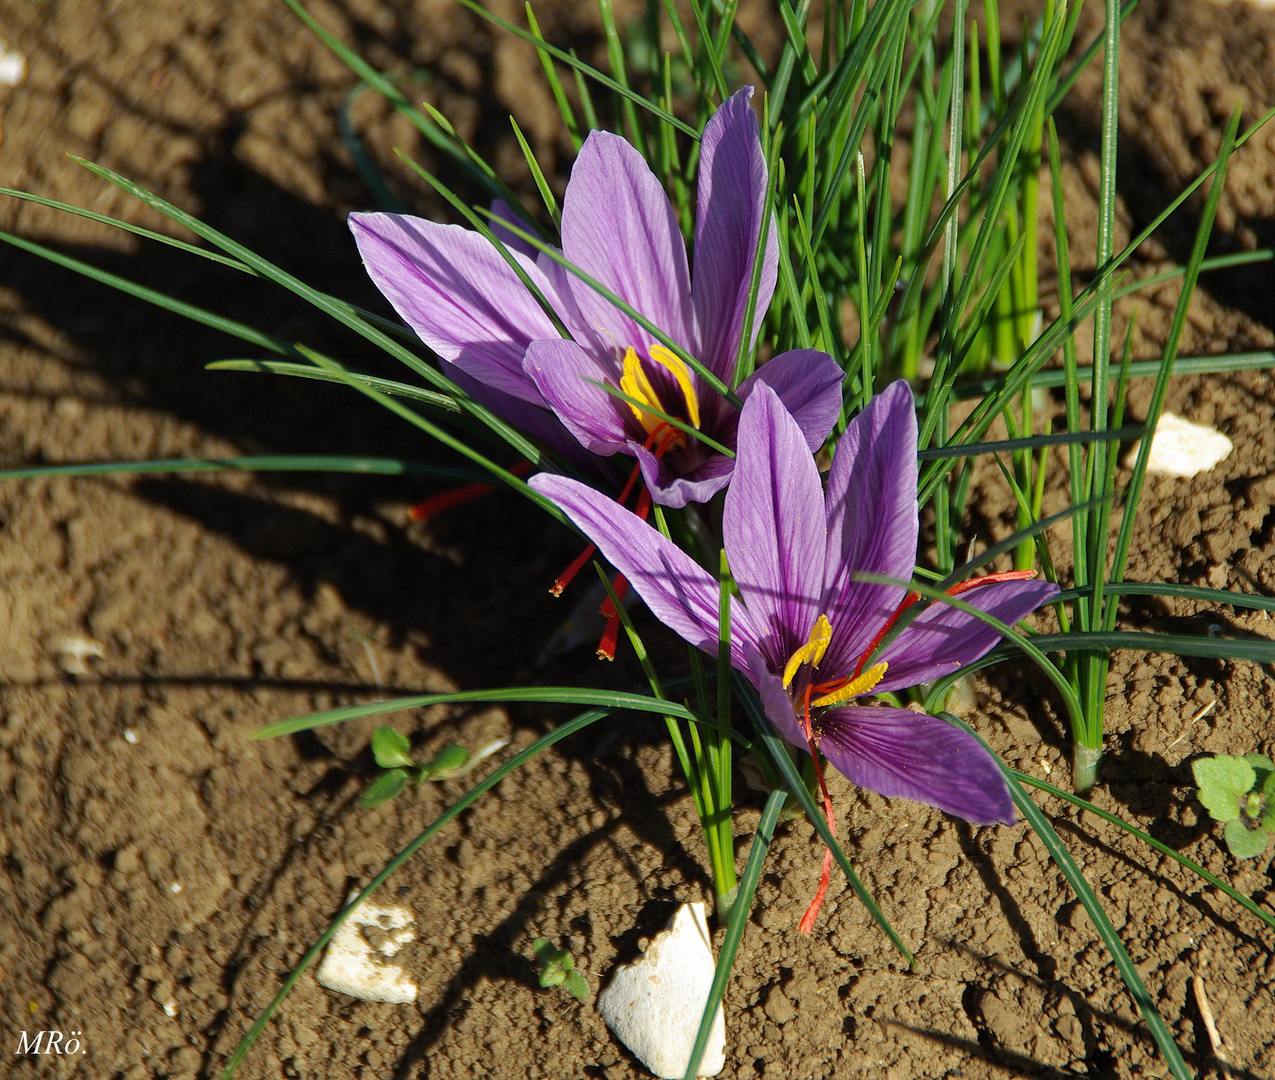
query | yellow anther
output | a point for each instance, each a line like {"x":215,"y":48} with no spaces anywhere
{"x":812,"y":651}
{"x":678,"y":369}
{"x":636,"y":385}
{"x":854,"y":688}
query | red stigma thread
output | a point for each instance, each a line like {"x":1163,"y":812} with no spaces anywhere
{"x":955,"y":590}
{"x":807,"y":923}
{"x":663,"y":438}
{"x":449,"y":500}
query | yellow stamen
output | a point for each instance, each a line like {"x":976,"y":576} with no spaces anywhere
{"x":812,"y":651}
{"x":635,"y":384}
{"x":854,"y":687}
{"x":678,"y":369}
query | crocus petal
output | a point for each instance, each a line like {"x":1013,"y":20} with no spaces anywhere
{"x":457,"y":292}
{"x":679,"y":592}
{"x":773,"y":525}
{"x":567,"y":377}
{"x":618,"y":227}
{"x":872,"y":522}
{"x":897,"y":752}
{"x":775,"y":700}
{"x":732,"y":199}
{"x":809,"y":384}
{"x":534,"y":420}
{"x":502,"y":212}
{"x":675,"y":490}
{"x":944,"y":638}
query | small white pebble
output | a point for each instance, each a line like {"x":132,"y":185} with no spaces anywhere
{"x":13,"y":66}
{"x":653,"y":1005}
{"x":170,"y":1007}
{"x":1181,"y":448}
{"x":73,"y":650}
{"x":354,"y":966}
{"x":130,"y":736}
{"x":175,"y":887}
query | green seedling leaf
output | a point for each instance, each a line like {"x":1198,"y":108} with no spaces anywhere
{"x":577,"y":985}
{"x":1265,"y":769}
{"x":1243,"y":842}
{"x":391,"y":749}
{"x":384,"y":788}
{"x":556,"y":967}
{"x":448,"y":762}
{"x":1223,"y":782}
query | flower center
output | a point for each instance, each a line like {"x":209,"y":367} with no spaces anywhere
{"x":637,"y":385}
{"x":835,"y":691}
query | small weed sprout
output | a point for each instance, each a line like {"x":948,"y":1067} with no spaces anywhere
{"x":556,"y":967}
{"x":1239,"y":791}
{"x":393,"y":753}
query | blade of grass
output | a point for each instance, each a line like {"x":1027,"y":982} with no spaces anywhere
{"x":735,"y":925}
{"x":344,"y":314}
{"x":125,"y":226}
{"x":1093,"y":908}
{"x":1150,"y":841}
{"x":308,"y":371}
{"x":572,"y":61}
{"x":577,"y":723}
{"x":1139,"y":369}
{"x":250,"y":463}
{"x":548,"y":695}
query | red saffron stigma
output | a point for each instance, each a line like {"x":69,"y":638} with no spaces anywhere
{"x":449,"y":500}
{"x":955,"y":590}
{"x":611,"y":635}
{"x":990,"y":579}
{"x":565,"y":578}
{"x":663,"y":438}
{"x":807,"y":923}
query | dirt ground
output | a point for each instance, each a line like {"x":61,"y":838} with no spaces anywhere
{"x":160,"y":873}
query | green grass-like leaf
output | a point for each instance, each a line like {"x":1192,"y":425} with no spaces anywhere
{"x":1093,"y":908}
{"x":577,"y":723}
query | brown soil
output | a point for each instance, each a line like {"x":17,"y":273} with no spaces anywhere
{"x":225,"y":603}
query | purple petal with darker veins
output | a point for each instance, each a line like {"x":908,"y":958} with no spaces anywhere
{"x":872,"y":522}
{"x":567,"y":376}
{"x":773,"y":525}
{"x":502,"y":212}
{"x":775,"y":700}
{"x":809,"y":384}
{"x":679,"y":592}
{"x":897,"y":752}
{"x":944,"y":639}
{"x":676,"y":489}
{"x":536,"y":421}
{"x":732,"y":199}
{"x":618,"y":227}
{"x":457,"y":292}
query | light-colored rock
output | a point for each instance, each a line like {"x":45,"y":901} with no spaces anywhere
{"x":13,"y":66}
{"x":1181,"y":448}
{"x":654,"y":1004}
{"x":355,"y":963}
{"x":73,"y":651}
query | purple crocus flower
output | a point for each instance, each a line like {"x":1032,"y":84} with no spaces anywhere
{"x":803,"y":628}
{"x":466,"y":303}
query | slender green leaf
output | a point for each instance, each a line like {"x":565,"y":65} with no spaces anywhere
{"x":1093,"y":908}
{"x":577,"y":723}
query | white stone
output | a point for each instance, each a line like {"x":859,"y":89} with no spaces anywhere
{"x":354,"y":965}
{"x":13,"y":66}
{"x":654,"y":1004}
{"x":1181,"y":448}
{"x":73,"y":651}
